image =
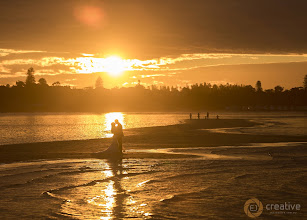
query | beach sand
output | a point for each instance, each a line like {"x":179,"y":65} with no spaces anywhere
{"x":182,"y":171}
{"x":192,"y":133}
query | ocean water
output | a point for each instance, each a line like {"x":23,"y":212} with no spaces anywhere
{"x":209,"y":187}
{"x":45,"y":127}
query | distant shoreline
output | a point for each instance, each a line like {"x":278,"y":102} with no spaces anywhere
{"x":190,"y":134}
{"x":195,"y":111}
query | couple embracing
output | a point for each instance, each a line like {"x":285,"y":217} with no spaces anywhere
{"x":117,"y":130}
{"x":114,"y":151}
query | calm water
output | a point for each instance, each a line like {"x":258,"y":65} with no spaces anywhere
{"x":29,"y":128}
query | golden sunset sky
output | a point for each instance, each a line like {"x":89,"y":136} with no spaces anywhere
{"x":162,"y":42}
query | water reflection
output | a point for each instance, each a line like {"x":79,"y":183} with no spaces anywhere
{"x":110,"y":117}
{"x":114,"y":201}
{"x":110,"y":199}
{"x":116,"y":191}
{"x":69,"y":126}
{"x":79,"y":189}
{"x":91,"y":125}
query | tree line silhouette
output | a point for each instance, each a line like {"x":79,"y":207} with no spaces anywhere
{"x":32,"y":96}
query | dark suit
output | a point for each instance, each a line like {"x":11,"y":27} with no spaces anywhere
{"x":119,"y":135}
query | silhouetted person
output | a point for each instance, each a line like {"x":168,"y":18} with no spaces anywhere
{"x":113,"y":128}
{"x":198,"y":115}
{"x":217,"y":116}
{"x":119,"y":135}
{"x":190,"y":116}
{"x":207,"y":115}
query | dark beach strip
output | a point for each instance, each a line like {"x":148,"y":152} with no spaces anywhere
{"x":190,"y":134}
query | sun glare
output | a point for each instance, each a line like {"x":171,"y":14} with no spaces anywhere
{"x":114,"y":65}
{"x":110,"y":117}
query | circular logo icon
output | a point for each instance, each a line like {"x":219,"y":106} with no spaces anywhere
{"x":253,"y":208}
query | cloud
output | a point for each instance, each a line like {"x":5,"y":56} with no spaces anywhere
{"x":197,"y":56}
{"x":152,"y":75}
{"x":6,"y":52}
{"x":171,"y":70}
{"x":95,"y":65}
{"x":164,"y":66}
{"x":4,"y":69}
{"x":46,"y":61}
{"x":87,"y":55}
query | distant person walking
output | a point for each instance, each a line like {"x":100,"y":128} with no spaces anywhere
{"x":217,"y":116}
{"x":207,"y":115}
{"x":198,"y":115}
{"x":190,"y":116}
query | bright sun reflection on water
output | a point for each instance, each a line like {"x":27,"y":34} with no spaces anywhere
{"x":110,"y":117}
{"x":107,"y":192}
{"x":106,"y":198}
{"x":109,"y":200}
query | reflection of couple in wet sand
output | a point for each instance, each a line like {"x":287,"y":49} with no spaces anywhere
{"x":115,"y":149}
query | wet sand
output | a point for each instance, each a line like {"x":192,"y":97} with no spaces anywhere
{"x":191,"y":134}
{"x":174,"y":172}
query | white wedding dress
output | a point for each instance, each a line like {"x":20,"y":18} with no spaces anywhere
{"x":113,"y":147}
{"x":112,"y":151}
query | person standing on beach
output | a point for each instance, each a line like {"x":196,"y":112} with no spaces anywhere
{"x":119,"y":135}
{"x":198,"y":115}
{"x":190,"y":116}
{"x":207,"y":115}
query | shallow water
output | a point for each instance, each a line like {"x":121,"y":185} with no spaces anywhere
{"x":45,"y":127}
{"x":283,"y":125}
{"x":199,"y":188}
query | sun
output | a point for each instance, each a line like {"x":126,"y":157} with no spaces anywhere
{"x":114,"y":65}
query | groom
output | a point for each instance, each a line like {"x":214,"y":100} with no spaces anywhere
{"x":119,"y":134}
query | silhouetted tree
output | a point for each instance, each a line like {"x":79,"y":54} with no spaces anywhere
{"x":199,"y":97}
{"x":30,"y":78}
{"x":99,"y":83}
{"x":258,"y":86}
{"x":20,"y":84}
{"x":139,"y":85}
{"x":305,"y":82}
{"x":278,"y":88}
{"x":42,"y":82}
{"x":57,"y":83}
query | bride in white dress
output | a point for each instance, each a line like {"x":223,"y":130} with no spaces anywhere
{"x":113,"y":150}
